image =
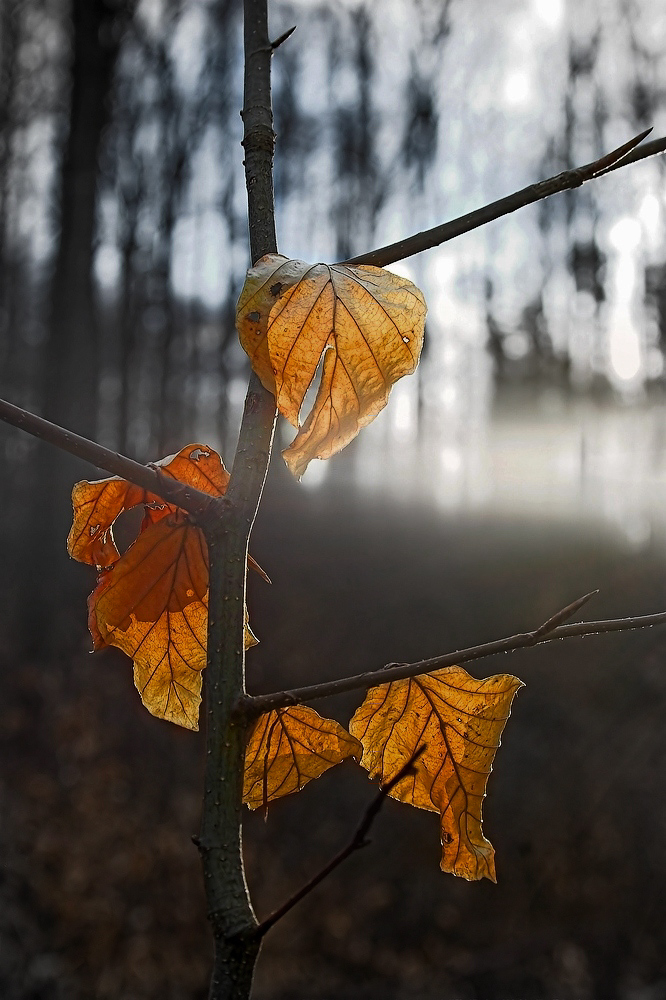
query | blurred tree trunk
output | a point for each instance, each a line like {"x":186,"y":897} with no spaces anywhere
{"x":71,"y":353}
{"x":9,"y":36}
{"x":70,"y":374}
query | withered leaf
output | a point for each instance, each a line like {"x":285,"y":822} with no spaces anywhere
{"x":459,"y":720}
{"x":287,"y":748}
{"x":152,"y":601}
{"x":364,"y":324}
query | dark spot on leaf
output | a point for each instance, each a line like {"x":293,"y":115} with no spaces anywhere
{"x":447,"y":838}
{"x":254,"y":317}
{"x":276,"y":288}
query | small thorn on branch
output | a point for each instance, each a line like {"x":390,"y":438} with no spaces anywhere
{"x":599,"y":166}
{"x":563,"y":616}
{"x":283,"y":38}
{"x":357,"y":842}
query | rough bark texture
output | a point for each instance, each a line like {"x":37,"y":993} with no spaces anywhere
{"x":230,"y":911}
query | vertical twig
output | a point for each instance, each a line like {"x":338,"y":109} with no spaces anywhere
{"x":230,"y":912}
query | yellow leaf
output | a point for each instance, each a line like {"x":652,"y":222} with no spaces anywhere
{"x":459,"y":720}
{"x":366,"y":324}
{"x":289,"y":747}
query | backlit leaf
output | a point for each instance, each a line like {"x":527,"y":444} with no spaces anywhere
{"x":366,"y":324}
{"x":289,"y":747}
{"x":98,"y":504}
{"x":459,"y":720}
{"x":152,"y":601}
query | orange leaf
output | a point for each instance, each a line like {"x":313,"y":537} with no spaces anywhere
{"x":98,"y":504}
{"x":366,"y":324}
{"x":459,"y":720}
{"x":152,"y":601}
{"x":289,"y":747}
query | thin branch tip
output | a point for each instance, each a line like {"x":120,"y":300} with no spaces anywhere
{"x":550,"y":631}
{"x":628,"y":152}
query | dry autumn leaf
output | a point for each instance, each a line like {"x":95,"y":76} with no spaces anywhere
{"x":364,"y":324}
{"x":151,"y":602}
{"x":289,"y":747}
{"x":459,"y":720}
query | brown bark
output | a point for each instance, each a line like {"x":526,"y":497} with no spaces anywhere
{"x":230,"y":911}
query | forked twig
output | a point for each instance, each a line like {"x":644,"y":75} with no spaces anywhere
{"x":565,"y":181}
{"x":551,"y":630}
{"x":358,"y":841}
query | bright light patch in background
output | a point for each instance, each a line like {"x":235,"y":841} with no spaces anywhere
{"x":315,"y":474}
{"x":107,"y":266}
{"x":649,"y":213}
{"x":625,"y":355}
{"x":188,"y":48}
{"x":625,"y":235}
{"x":403,"y":413}
{"x":649,"y":210}
{"x":550,"y":12}
{"x":625,"y":278}
{"x":516,"y":345}
{"x":451,"y":460}
{"x":517,"y":88}
{"x":402,"y":270}
{"x":212,"y":283}
{"x":441,"y":268}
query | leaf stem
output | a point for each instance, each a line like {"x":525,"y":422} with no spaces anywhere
{"x":257,"y":704}
{"x":565,"y":181}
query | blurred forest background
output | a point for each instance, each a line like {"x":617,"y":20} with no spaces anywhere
{"x":523,"y":465}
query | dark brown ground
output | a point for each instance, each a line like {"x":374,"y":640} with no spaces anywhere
{"x":100,"y":883}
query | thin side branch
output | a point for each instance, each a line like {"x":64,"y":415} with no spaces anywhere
{"x":148,"y":477}
{"x":565,"y":181}
{"x":358,"y":841}
{"x":548,"y":632}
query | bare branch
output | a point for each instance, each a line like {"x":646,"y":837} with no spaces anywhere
{"x":548,"y":632}
{"x":148,"y":477}
{"x":565,"y":181}
{"x":358,"y":841}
